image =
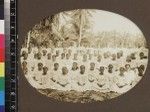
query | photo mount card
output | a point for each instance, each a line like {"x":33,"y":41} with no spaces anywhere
{"x":83,"y":56}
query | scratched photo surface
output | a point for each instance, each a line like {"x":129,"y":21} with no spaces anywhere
{"x":84,"y":55}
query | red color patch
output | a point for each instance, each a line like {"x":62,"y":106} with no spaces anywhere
{"x":2,"y":54}
{"x":2,"y":41}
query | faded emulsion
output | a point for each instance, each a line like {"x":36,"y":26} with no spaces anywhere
{"x":84,"y":55}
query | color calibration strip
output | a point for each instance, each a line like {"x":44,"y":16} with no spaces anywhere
{"x":2,"y":59}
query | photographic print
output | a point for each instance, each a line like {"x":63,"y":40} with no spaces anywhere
{"x":84,"y":55}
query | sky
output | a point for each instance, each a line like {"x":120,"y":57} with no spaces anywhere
{"x":108,"y":21}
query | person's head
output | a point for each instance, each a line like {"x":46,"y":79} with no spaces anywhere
{"x":82,"y":69}
{"x":101,"y":69}
{"x":45,"y":69}
{"x":67,"y":56}
{"x":40,"y":66}
{"x":119,"y":54}
{"x":99,"y":58}
{"x":92,"y":66}
{"x":57,"y":53}
{"x":133,"y":56}
{"x":74,"y":66}
{"x":110,"y":66}
{"x":62,"y":55}
{"x":49,"y":56}
{"x":127,"y":66}
{"x":75,"y":56}
{"x":65,"y":70}
{"x":128,"y":59}
{"x":39,"y":55}
{"x":56,"y":66}
{"x":141,"y":55}
{"x":84,"y":58}
{"x":44,"y":52}
{"x":122,"y":70}
{"x":113,"y":57}
{"x":53,"y":57}
{"x":25,"y":55}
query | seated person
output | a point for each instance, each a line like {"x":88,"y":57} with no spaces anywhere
{"x":63,"y":79}
{"x":44,"y":78}
{"x":81,"y":80}
{"x":102,"y":82}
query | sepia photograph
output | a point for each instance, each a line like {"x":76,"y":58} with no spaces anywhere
{"x":84,"y":56}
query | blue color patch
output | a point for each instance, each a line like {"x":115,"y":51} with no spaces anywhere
{"x":2,"y":102}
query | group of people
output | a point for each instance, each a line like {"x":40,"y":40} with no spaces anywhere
{"x":83,"y":69}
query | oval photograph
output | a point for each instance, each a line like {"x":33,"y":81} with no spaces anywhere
{"x":84,"y":55}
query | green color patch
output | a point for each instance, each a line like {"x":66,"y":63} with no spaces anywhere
{"x":2,"y":83}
